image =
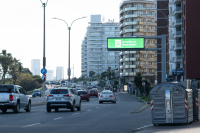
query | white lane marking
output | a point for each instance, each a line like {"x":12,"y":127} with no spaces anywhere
{"x":97,"y":107}
{"x":144,"y":127}
{"x":89,"y":110}
{"x":32,"y":125}
{"x":58,"y":118}
{"x":119,"y":99}
{"x":0,"y":117}
{"x":75,"y":114}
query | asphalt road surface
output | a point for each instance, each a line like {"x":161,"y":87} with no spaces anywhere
{"x":93,"y":118}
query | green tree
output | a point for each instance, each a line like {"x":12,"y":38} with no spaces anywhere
{"x":6,"y":60}
{"x":26,"y":70}
{"x":15,"y":70}
{"x":147,"y":86}
{"x":91,"y":73}
{"x":138,"y":82}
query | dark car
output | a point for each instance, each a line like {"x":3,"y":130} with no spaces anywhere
{"x":93,"y":92}
{"x":57,"y":83}
{"x":84,"y":95}
{"x":89,"y":87}
{"x":37,"y":93}
{"x":106,"y":88}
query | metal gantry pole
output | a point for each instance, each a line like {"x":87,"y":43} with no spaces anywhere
{"x":69,"y":70}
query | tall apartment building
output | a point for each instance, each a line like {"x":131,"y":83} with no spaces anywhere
{"x":50,"y":75}
{"x":94,"y":55}
{"x":175,"y":36}
{"x":59,"y":73}
{"x":162,"y":13}
{"x":137,"y":19}
{"x":191,"y":47}
{"x":35,"y":66}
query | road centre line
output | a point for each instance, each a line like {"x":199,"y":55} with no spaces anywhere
{"x":32,"y":125}
{"x":97,"y":107}
{"x":58,"y":118}
{"x":89,"y":110}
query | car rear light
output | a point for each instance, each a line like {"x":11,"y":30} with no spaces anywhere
{"x":101,"y":96}
{"x":69,"y":95}
{"x":11,"y":97}
{"x":49,"y":95}
{"x":111,"y":96}
{"x":96,"y":92}
{"x":88,"y":92}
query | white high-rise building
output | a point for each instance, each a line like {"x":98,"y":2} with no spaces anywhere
{"x":50,"y":75}
{"x":175,"y":35}
{"x":59,"y":73}
{"x":35,"y":66}
{"x":94,"y":54}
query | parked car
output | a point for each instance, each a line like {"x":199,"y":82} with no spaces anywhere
{"x":63,"y":97}
{"x":107,"y":96}
{"x":14,"y":97}
{"x":37,"y":93}
{"x":93,"y":92}
{"x":84,"y":95}
{"x":57,"y":83}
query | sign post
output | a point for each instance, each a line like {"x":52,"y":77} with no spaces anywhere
{"x":143,"y":83}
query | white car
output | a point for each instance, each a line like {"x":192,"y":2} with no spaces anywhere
{"x":107,"y":96}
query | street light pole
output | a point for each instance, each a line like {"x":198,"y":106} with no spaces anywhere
{"x":44,"y":58}
{"x":69,"y":28}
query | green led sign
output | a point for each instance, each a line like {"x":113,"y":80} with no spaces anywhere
{"x":125,"y":44}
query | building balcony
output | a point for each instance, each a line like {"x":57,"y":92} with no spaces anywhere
{"x":131,"y":23}
{"x":122,"y":60}
{"x":130,"y":30}
{"x":122,"y":53}
{"x":147,"y":52}
{"x":177,"y":1}
{"x":178,"y":10}
{"x":148,"y":66}
{"x":148,"y":73}
{"x":131,"y":16}
{"x":131,"y":52}
{"x":178,"y":46}
{"x":122,"y":18}
{"x":149,"y":59}
{"x":130,"y":59}
{"x":178,"y":22}
{"x":130,"y":66}
{"x":178,"y":34}
{"x":148,"y":23}
{"x":128,"y":74}
{"x":178,"y":58}
{"x":147,"y":15}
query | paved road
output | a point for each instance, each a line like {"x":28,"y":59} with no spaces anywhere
{"x":93,"y":118}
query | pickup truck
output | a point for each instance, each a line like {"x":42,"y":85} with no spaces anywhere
{"x":14,"y":97}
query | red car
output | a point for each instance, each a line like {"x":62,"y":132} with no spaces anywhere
{"x":93,"y":93}
{"x":84,"y":95}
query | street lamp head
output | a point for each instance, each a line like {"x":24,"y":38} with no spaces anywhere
{"x":54,"y":18}
{"x":84,"y":17}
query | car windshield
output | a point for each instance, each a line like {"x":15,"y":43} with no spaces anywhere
{"x":92,"y":90}
{"x":106,"y":92}
{"x":7,"y":88}
{"x":59,"y":91}
{"x":82,"y":92}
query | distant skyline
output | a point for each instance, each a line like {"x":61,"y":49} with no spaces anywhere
{"x":22,"y":29}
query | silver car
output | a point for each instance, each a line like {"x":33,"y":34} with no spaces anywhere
{"x":63,"y":97}
{"x":107,"y":96}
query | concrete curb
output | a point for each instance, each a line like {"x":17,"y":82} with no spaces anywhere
{"x":141,"y":109}
{"x":139,"y":99}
